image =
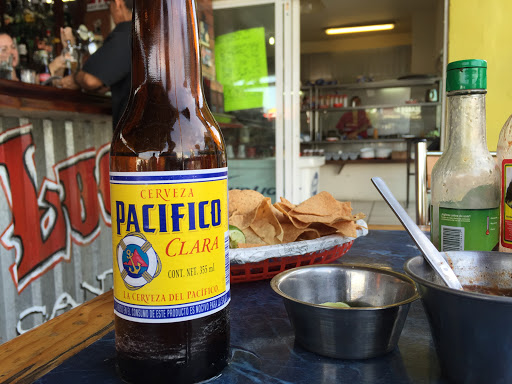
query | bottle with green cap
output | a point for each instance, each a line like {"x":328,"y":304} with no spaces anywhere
{"x":466,"y":179}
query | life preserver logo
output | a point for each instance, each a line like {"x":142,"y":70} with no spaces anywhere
{"x":137,"y":261}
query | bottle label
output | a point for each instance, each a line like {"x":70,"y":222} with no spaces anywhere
{"x":469,"y":229}
{"x":506,"y":203}
{"x":170,"y":243}
{"x":43,"y":77}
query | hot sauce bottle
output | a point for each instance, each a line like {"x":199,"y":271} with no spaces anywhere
{"x":169,"y":209}
{"x":465,"y":179}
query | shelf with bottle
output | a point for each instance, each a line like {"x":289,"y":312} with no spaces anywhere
{"x":354,"y":142}
{"x":379,"y":110}
{"x":422,"y":92}
{"x":378,"y":106}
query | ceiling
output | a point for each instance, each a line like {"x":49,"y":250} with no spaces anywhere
{"x":316,"y":15}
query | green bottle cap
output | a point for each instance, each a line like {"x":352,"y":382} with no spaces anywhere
{"x":466,"y":74}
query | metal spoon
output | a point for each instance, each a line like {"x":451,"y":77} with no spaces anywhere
{"x":430,"y":252}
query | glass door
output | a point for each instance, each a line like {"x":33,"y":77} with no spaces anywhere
{"x":249,"y":64}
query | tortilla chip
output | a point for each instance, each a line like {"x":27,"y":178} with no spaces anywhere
{"x":243,"y":206}
{"x":291,"y":232}
{"x":323,"y":229}
{"x":252,"y":238}
{"x":309,"y":234}
{"x":345,"y":228}
{"x":244,"y":201}
{"x":285,"y":222}
{"x":322,"y":208}
{"x":266,"y":225}
{"x":322,"y":204}
{"x":285,"y":203}
{"x":298,"y":223}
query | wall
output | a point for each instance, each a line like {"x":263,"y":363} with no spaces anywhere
{"x":384,"y":56}
{"x":424,"y":54}
{"x":354,"y":181}
{"x":346,"y":66}
{"x":55,"y":242}
{"x":481,"y":30}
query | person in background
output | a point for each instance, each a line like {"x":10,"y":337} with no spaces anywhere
{"x":109,"y":68}
{"x":354,"y":124}
{"x":9,"y":53}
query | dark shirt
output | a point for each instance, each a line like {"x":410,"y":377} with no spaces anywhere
{"x":112,"y":64}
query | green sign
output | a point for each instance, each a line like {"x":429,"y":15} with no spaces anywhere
{"x":241,"y":65}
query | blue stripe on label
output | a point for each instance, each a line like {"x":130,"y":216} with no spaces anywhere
{"x":168,"y":177}
{"x":175,"y":312}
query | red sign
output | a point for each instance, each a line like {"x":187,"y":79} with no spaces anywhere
{"x":47,"y":219}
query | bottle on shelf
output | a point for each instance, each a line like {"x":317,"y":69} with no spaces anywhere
{"x":23,"y":52}
{"x":466,"y":179}
{"x":504,"y":157}
{"x":170,"y":237}
{"x":44,"y":71}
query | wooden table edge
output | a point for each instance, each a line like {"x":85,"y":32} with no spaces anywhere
{"x":31,"y":355}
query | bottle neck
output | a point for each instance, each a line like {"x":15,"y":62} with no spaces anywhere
{"x":466,"y":120}
{"x":166,"y":50}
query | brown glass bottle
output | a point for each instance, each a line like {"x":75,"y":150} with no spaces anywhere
{"x":167,"y":126}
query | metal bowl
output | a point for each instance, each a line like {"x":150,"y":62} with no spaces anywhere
{"x":379,"y":300}
{"x":472,"y":332}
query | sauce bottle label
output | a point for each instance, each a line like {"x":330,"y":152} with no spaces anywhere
{"x":506,"y":203}
{"x":469,"y":229}
{"x":170,"y":243}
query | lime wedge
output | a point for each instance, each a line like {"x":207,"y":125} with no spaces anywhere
{"x":236,"y":236}
{"x":338,"y":304}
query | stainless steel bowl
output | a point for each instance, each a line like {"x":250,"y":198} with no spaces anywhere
{"x":380,"y":301}
{"x":472,"y":332}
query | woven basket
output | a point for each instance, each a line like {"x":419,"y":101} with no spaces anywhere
{"x":268,"y":268}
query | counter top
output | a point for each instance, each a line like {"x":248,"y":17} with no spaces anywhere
{"x":33,"y":98}
{"x":262,"y":339}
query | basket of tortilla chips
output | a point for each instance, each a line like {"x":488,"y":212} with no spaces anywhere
{"x":274,"y":237}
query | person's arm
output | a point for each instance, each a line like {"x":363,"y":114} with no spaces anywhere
{"x":90,"y":82}
{"x":354,"y":134}
{"x":84,"y":80}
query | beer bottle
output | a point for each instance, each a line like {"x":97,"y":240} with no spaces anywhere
{"x":168,"y":179}
{"x":44,"y":71}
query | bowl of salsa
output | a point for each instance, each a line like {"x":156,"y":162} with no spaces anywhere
{"x":471,"y":328}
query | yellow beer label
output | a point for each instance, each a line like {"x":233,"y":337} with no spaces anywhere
{"x":170,"y":244}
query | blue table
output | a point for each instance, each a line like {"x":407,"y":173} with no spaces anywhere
{"x":263,"y":346}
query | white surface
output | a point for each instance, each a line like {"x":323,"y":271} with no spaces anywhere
{"x":309,"y":174}
{"x":367,"y":153}
{"x":311,"y":161}
{"x":257,"y":254}
{"x":354,"y":181}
